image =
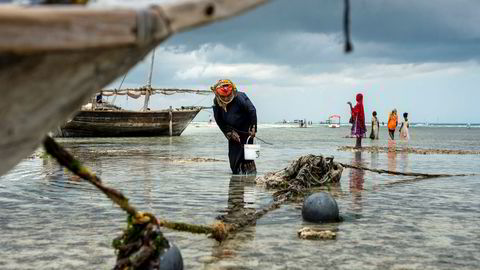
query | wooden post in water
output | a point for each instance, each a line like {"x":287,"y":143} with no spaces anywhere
{"x":170,"y":125}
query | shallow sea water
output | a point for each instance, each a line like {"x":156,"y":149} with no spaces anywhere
{"x":51,"y":220}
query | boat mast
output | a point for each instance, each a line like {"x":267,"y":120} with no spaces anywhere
{"x":149,"y":84}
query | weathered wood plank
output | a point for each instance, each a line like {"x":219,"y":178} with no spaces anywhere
{"x":31,"y":29}
{"x":183,"y":16}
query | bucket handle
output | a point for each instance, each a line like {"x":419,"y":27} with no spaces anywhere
{"x":248,"y":139}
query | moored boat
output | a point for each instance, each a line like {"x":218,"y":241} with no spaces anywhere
{"x":124,"y":123}
{"x":103,"y":119}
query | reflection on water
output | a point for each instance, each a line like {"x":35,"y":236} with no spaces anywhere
{"x":51,"y":220}
{"x":356,"y":180}
{"x":405,"y":166}
{"x":374,"y":159}
{"x":240,"y":203}
{"x":392,"y":155}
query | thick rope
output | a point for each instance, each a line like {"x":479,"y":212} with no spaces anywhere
{"x":423,"y":175}
{"x":219,"y":230}
{"x":292,"y":181}
{"x":420,"y":151}
{"x":246,"y":132}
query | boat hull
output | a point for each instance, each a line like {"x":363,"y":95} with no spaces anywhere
{"x":127,"y":123}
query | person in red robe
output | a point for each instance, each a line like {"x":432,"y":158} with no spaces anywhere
{"x":358,"y":120}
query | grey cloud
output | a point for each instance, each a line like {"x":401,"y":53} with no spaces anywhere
{"x":304,"y":38}
{"x":403,"y":31}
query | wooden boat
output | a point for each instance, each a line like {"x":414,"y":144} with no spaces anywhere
{"x":123,"y":123}
{"x":54,"y":58}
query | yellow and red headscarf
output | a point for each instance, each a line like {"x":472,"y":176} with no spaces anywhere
{"x":225,"y":91}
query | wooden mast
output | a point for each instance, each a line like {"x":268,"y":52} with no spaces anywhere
{"x":149,"y":84}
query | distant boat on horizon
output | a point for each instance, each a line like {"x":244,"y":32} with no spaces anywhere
{"x":332,"y":124}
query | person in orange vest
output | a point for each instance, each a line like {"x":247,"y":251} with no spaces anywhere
{"x":392,"y":123}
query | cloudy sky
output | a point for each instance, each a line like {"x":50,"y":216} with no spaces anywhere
{"x":421,"y":57}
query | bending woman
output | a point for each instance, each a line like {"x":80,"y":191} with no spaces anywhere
{"x":358,"y":116}
{"x":237,"y":119}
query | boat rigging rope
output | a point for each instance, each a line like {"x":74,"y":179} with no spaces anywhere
{"x":246,"y":132}
{"x":119,"y":87}
{"x":200,"y":101}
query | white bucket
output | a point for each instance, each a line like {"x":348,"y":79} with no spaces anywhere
{"x":251,"y":151}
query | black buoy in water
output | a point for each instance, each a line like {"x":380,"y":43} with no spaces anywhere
{"x":320,"y":207}
{"x":171,"y":259}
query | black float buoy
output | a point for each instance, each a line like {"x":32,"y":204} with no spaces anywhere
{"x":320,"y":207}
{"x":171,"y":259}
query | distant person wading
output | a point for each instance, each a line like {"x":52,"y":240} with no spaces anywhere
{"x":237,"y":119}
{"x":392,"y":123}
{"x":404,"y":134}
{"x":358,"y":120}
{"x":375,"y":127}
